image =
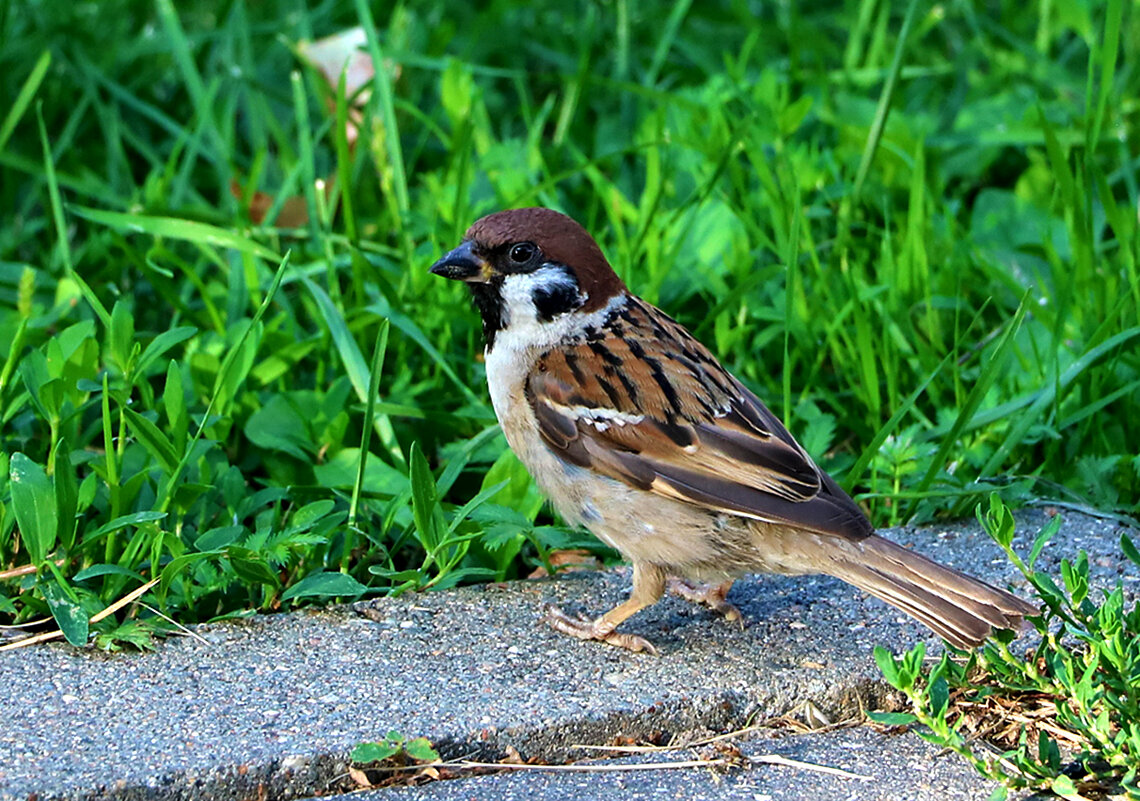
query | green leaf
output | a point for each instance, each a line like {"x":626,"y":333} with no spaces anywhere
{"x":34,"y":502}
{"x":156,"y":443}
{"x":1129,"y":549}
{"x":939,"y":692}
{"x":1043,"y":537}
{"x":888,"y":666}
{"x":380,"y":478}
{"x":66,"y":494}
{"x":174,"y":404}
{"x":420,"y":749}
{"x":324,"y":585}
{"x":309,"y":514}
{"x":251,"y":568}
{"x":892,"y":718}
{"x":161,"y":344}
{"x":237,"y":363}
{"x":180,"y":563}
{"x":121,"y":336}
{"x":45,"y":391}
{"x":423,"y":497}
{"x":280,"y":426}
{"x":365,"y":753}
{"x":480,"y":498}
{"x":521,"y":494}
{"x":1063,"y":786}
{"x":998,"y":521}
{"x":1048,"y":753}
{"x":123,"y":521}
{"x":1000,"y":793}
{"x":69,"y":616}
{"x":174,"y":228}
{"x":95,"y":571}
{"x":217,"y":538}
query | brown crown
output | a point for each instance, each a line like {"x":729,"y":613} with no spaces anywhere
{"x":561,"y":239}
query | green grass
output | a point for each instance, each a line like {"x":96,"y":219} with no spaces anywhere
{"x":922,"y":251}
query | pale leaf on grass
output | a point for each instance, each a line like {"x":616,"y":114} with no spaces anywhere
{"x":174,"y":228}
{"x":324,"y":585}
{"x":69,"y":615}
{"x":34,"y":502}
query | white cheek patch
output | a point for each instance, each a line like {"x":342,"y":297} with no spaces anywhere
{"x":519,"y":291}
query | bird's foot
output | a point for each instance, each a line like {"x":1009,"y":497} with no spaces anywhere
{"x":601,"y":629}
{"x":711,"y":595}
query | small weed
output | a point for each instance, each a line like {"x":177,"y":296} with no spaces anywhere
{"x":396,"y":759}
{"x":1064,"y":717}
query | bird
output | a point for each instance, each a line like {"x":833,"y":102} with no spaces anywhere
{"x":633,"y":429}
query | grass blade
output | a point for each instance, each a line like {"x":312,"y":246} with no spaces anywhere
{"x":173,"y":228}
{"x":61,"y":227}
{"x":875,"y":135}
{"x":998,"y":358}
{"x":24,"y":98}
{"x":366,"y":430}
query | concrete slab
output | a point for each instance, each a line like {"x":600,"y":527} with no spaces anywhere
{"x":271,"y":707}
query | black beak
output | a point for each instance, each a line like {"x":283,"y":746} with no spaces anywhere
{"x":463,"y":264}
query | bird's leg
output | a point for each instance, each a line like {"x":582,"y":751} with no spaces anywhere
{"x":711,"y":595}
{"x":648,"y":587}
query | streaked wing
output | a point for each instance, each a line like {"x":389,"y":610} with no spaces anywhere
{"x":664,"y":416}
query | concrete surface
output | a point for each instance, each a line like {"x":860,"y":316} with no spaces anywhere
{"x":271,"y":707}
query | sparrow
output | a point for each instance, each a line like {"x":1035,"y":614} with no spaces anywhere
{"x":633,"y":429}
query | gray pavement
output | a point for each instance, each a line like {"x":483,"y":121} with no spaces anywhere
{"x":270,"y":708}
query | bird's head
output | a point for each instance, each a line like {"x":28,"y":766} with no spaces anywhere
{"x":530,"y":267}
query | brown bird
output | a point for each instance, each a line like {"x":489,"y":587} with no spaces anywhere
{"x":634,"y":430}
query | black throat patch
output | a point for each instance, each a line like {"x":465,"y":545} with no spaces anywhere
{"x":489,"y":301}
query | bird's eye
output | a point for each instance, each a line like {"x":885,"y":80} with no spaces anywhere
{"x":522,"y":252}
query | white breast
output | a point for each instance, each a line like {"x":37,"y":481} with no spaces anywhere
{"x":524,"y":338}
{"x":509,"y":362}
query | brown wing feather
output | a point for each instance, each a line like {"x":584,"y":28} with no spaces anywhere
{"x":663,"y":415}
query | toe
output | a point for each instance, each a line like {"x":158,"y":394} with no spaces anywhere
{"x":631,"y":642}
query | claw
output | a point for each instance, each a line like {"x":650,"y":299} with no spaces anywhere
{"x":712,"y":596}
{"x":631,"y":642}
{"x":602,"y":630}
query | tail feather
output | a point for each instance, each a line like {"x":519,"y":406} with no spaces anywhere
{"x":959,"y":608}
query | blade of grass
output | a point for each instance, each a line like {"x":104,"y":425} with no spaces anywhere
{"x":1017,"y":431}
{"x":668,"y":37}
{"x":998,"y":358}
{"x":851,"y":479}
{"x":195,"y":86}
{"x":306,"y":159}
{"x":883,"y":110}
{"x":61,"y":227}
{"x":354,"y":364}
{"x":24,"y":98}
{"x":382,"y":83}
{"x":174,"y":228}
{"x":168,"y":488}
{"x":791,"y":290}
{"x":366,"y":430}
{"x":1103,"y":57}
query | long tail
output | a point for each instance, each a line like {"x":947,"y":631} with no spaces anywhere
{"x":961,"y":609}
